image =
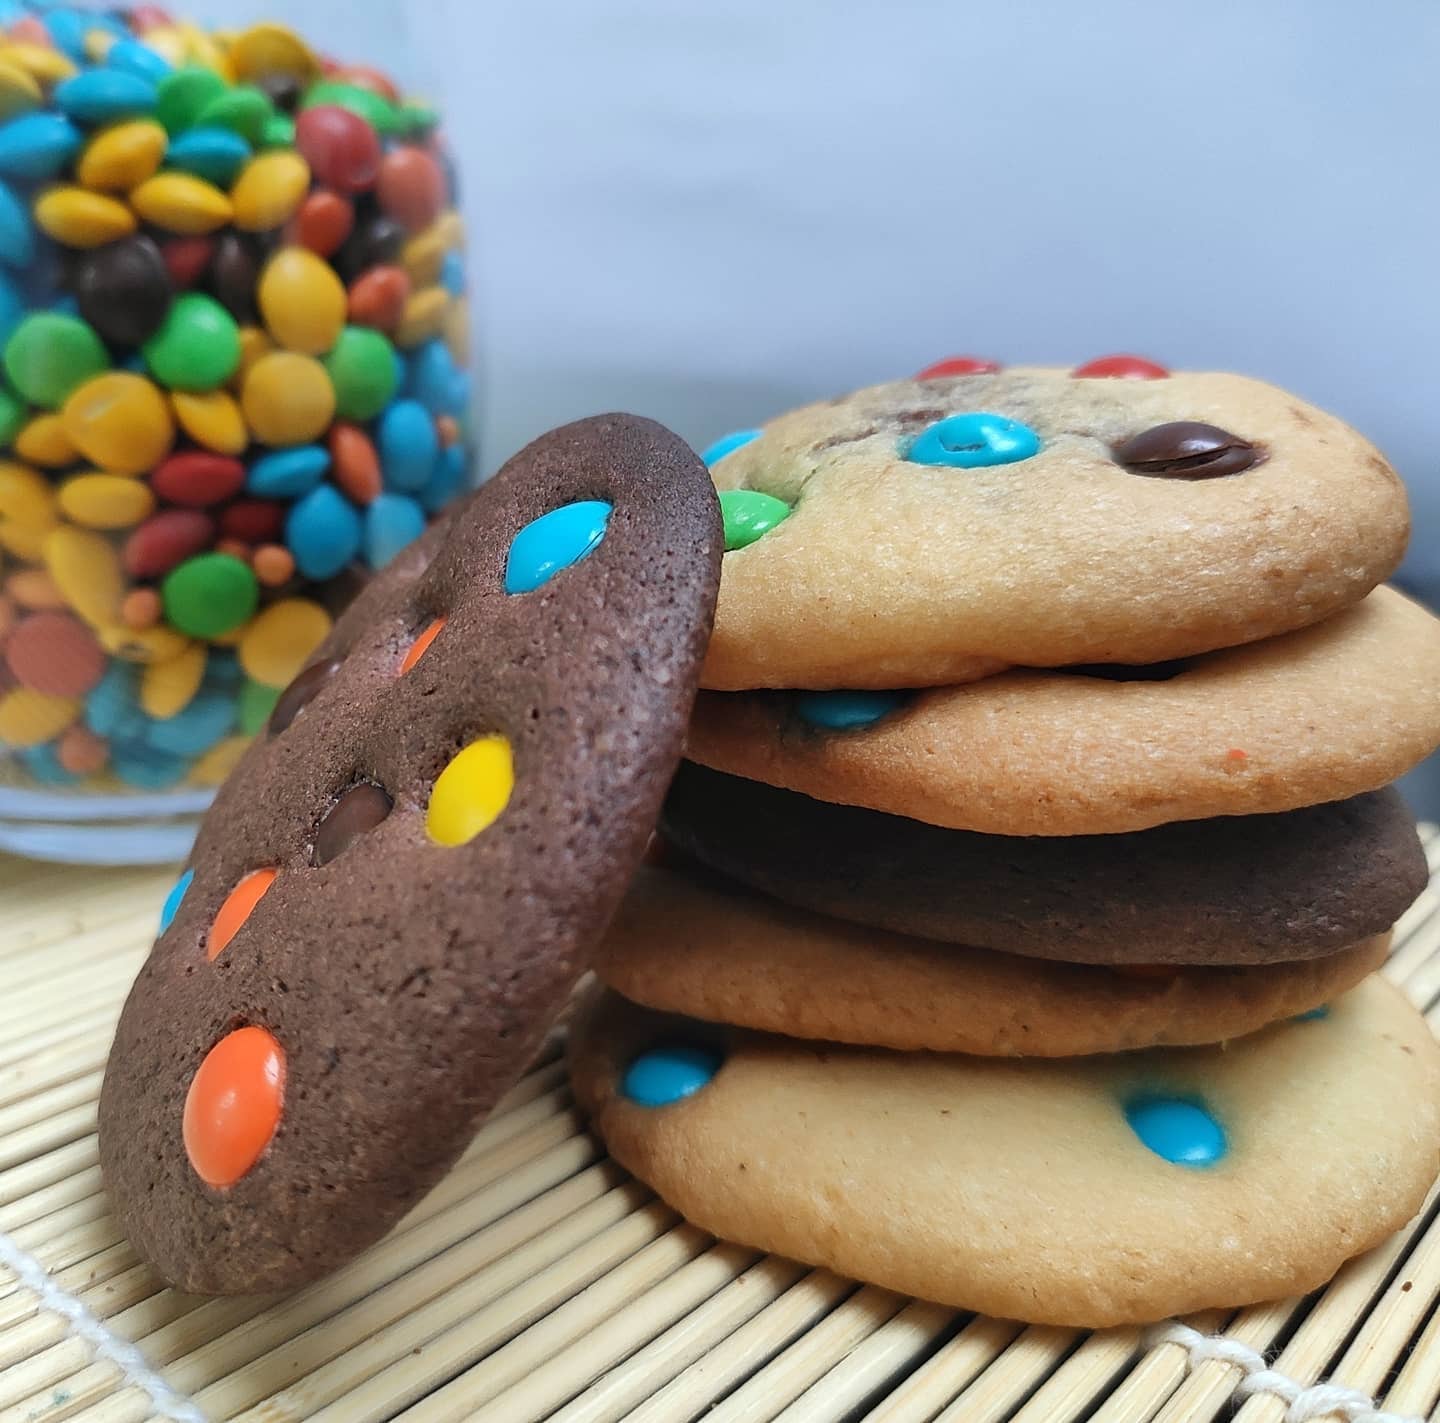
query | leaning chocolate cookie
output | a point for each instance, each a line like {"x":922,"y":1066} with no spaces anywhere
{"x":400,"y":884}
{"x":1235,"y":890}
{"x":929,"y":531}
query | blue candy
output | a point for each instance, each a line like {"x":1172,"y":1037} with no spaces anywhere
{"x":112,"y":709}
{"x":973,"y":441}
{"x":452,"y":274}
{"x":68,"y":29}
{"x":38,"y":145}
{"x":145,"y":768}
{"x":97,"y":96}
{"x":436,"y":381}
{"x":553,"y":542}
{"x":407,"y":442}
{"x":136,"y":364}
{"x":447,"y":479}
{"x":215,"y":154}
{"x":222,"y":668}
{"x":45,"y":767}
{"x":669,"y":1074}
{"x":1315,"y":1015}
{"x":17,"y":236}
{"x":728,"y":444}
{"x":171,"y":907}
{"x":12,"y":308}
{"x":1181,"y":1131}
{"x":845,"y":711}
{"x":323,"y":532}
{"x":391,"y":522}
{"x":288,"y":473}
{"x":131,"y":57}
{"x":66,"y":304}
{"x":208,"y":717}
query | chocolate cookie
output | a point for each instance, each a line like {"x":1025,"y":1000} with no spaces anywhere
{"x":1233,"y":890}
{"x":925,"y":532}
{"x":397,"y":889}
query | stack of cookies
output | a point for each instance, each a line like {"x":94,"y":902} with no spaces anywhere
{"x":1014,"y":943}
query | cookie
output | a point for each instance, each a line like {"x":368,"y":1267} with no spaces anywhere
{"x":1321,"y":714}
{"x":688,"y":943}
{"x":925,"y":532}
{"x":1088,"y":1192}
{"x":1235,"y":890}
{"x":398,"y":887}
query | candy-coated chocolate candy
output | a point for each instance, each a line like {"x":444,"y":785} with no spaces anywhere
{"x":32,"y":588}
{"x":29,"y":718}
{"x":54,"y":653}
{"x":1121,"y":368}
{"x":215,"y":766}
{"x":19,"y":92}
{"x":269,"y":192}
{"x":447,"y":427}
{"x":208,"y":717}
{"x":48,"y":355}
{"x":37,"y":58}
{"x":299,"y":694}
{"x":341,"y":147}
{"x":1181,"y":1131}
{"x":323,"y":531}
{"x":17,"y":235}
{"x":197,"y":478}
{"x":323,"y":222}
{"x":287,"y":474}
{"x":421,"y":645}
{"x":254,"y":342}
{"x":12,"y":414}
{"x":1187,"y":449}
{"x":447,"y":479}
{"x":181,"y":203}
{"x":43,"y":441}
{"x":43,"y":764}
{"x":27,"y":510}
{"x":436,"y":381}
{"x":100,"y":96}
{"x":749,"y":515}
{"x":357,"y":812}
{"x":554,"y":542}
{"x":302,"y":301}
{"x":410,"y":187}
{"x":167,"y":688}
{"x":279,"y":132}
{"x":727,"y":445}
{"x":378,"y":298}
{"x":145,"y":768}
{"x":123,"y":290}
{"x":80,"y":751}
{"x":197,"y":346}
{"x":390,"y":523}
{"x":287,"y":398}
{"x":120,"y":421}
{"x":355,"y":462}
{"x":362,"y":76}
{"x":141,"y":645}
{"x":408,"y":445}
{"x":209,"y":594}
{"x":452,"y":274}
{"x":117,"y":159}
{"x":274,"y":565}
{"x":234,"y":270}
{"x":38,"y":145}
{"x":106,"y":501}
{"x":140,"y":609}
{"x":423,"y":317}
{"x":113,"y":708}
{"x":12,"y":306}
{"x":270,"y":48}
{"x":213,"y":419}
{"x":423,"y":256}
{"x":87,"y":570}
{"x":376,"y":110}
{"x":165,"y":540}
{"x":244,"y":109}
{"x":252,"y":521}
{"x":213,"y":153}
{"x":669,"y":1074}
{"x":233,"y":1105}
{"x":132,"y":57}
{"x":237,"y":907}
{"x":973,"y":440}
{"x":167,"y":41}
{"x":254,"y":706}
{"x":362,"y":368}
{"x":959,"y":366}
{"x":376,"y":242}
{"x":171,"y":907}
{"x":280,"y":640}
{"x":65,"y":29}
{"x":846,"y":711}
{"x":471,"y":792}
{"x":234,"y":548}
{"x":186,"y":259}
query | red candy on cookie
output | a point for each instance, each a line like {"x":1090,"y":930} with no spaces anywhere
{"x":1120,"y":367}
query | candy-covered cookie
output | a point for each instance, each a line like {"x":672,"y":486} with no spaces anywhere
{"x":1315,"y":715}
{"x":399,"y":885}
{"x":1099,"y":1191}
{"x":685,"y":942}
{"x":926,"y":532}
{"x":1234,"y":890}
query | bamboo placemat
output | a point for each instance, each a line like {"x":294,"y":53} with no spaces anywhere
{"x":539,"y":1282}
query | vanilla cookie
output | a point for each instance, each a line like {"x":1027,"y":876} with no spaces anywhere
{"x":1089,"y":1192}
{"x":685,"y":942}
{"x":1327,"y":712}
{"x":926,"y":532}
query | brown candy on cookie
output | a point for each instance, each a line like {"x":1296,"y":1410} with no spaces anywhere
{"x":396,"y":890}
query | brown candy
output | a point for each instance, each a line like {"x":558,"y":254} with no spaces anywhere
{"x":299,"y":694}
{"x":358,"y":811}
{"x":1187,"y":449}
{"x":233,"y":272}
{"x":123,"y":290}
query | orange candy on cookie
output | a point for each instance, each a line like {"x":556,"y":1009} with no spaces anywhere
{"x":233,"y":1106}
{"x":239,"y":904}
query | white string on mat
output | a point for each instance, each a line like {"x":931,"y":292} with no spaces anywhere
{"x":167,"y":1403}
{"x":1321,"y":1400}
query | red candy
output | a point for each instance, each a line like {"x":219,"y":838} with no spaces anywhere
{"x":55,"y":654}
{"x":959,"y":366}
{"x":1120,"y":368}
{"x":165,"y":539}
{"x":30,"y":29}
{"x":186,"y":259}
{"x":411,"y":187}
{"x":233,"y":1106}
{"x":343,"y":151}
{"x":323,"y":222}
{"x":378,"y":297}
{"x":196,"y":478}
{"x":252,"y":521}
{"x":149,"y":17}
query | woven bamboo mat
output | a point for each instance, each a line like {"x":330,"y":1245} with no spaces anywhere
{"x":538,"y":1282}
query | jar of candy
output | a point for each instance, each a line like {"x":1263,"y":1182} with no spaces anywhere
{"x":233,"y":347}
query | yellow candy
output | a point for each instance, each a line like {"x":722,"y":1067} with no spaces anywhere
{"x":200,"y":48}
{"x":143,"y":645}
{"x":43,"y":441}
{"x":80,"y":218}
{"x":272,"y":49}
{"x":278,"y":643}
{"x":123,"y":156}
{"x":212,"y":419}
{"x":219,"y":761}
{"x":120,"y":421}
{"x":41,"y":62}
{"x":98,"y":43}
{"x":457,"y":331}
{"x":424,"y":253}
{"x":106,"y":501}
{"x":302,"y":301}
{"x":469,"y":794}
{"x":452,"y":229}
{"x":287,"y":398}
{"x":168,"y":43}
{"x":254,"y":343}
{"x":87,"y":571}
{"x":29,"y":718}
{"x":423,"y":317}
{"x":167,"y":687}
{"x":27,"y":510}
{"x":19,"y":93}
{"x":233,"y":638}
{"x":181,"y":203}
{"x":269,"y":190}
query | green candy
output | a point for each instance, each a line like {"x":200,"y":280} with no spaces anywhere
{"x":244,"y":110}
{"x":184,"y":94}
{"x":279,"y":132}
{"x":362,"y":370}
{"x":209,"y":595}
{"x":749,"y":515}
{"x":256,"y":703}
{"x":417,"y":119}
{"x":197,"y":346}
{"x":12,"y":416}
{"x":49,"y":354}
{"x":375,"y":109}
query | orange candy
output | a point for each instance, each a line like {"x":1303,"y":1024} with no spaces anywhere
{"x":378,"y":298}
{"x":323,"y":222}
{"x":141,"y":609}
{"x":80,"y":751}
{"x":448,"y":429}
{"x":417,"y":649}
{"x":35,"y":589}
{"x":355,"y":466}
{"x":236,"y":548}
{"x":237,"y":909}
{"x":233,"y":1106}
{"x":274,"y":564}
